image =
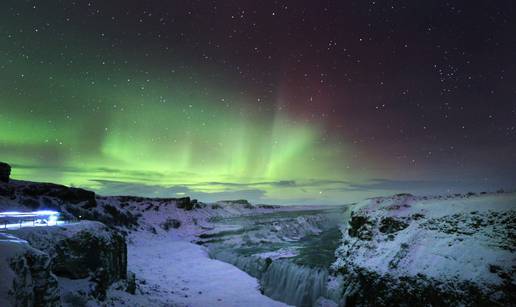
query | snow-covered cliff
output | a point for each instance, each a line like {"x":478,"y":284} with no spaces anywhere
{"x":430,"y":251}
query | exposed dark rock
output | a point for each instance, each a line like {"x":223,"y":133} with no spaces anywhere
{"x":359,"y":227}
{"x":366,"y":288}
{"x":119,"y":217}
{"x":30,"y":202}
{"x":216,"y":206}
{"x":7,"y":191}
{"x":63,"y":193}
{"x":131,"y":283}
{"x":187,"y":204}
{"x":170,"y":223}
{"x":152,"y":229}
{"x":418,"y":216}
{"x":101,"y":283}
{"x":392,"y":225}
{"x":5,"y":172}
{"x":184,"y":203}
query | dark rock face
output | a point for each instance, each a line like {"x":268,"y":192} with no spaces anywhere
{"x":7,"y":191}
{"x":184,"y":203}
{"x":5,"y":172}
{"x":360,"y":227}
{"x":101,"y":283}
{"x":131,"y":283}
{"x":372,"y":289}
{"x":80,"y":250}
{"x":118,"y":217}
{"x":45,"y":287}
{"x":392,"y":225}
{"x":170,"y":223}
{"x":63,"y":193}
{"x":84,"y":253}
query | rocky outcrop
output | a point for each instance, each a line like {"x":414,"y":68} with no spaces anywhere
{"x":187,"y":203}
{"x":80,"y":250}
{"x":170,"y":223}
{"x":26,"y":277}
{"x":244,"y":203}
{"x":5,"y":172}
{"x":429,"y":251}
{"x":43,"y":196}
{"x":63,"y":193}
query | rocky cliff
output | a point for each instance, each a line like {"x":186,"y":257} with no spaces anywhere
{"x":79,"y":250}
{"x":423,"y":251}
{"x":32,"y":257}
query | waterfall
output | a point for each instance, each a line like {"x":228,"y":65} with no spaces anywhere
{"x":294,"y":284}
{"x":300,"y":280}
{"x":282,"y":279}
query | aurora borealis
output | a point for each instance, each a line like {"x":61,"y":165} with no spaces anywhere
{"x":277,"y":102}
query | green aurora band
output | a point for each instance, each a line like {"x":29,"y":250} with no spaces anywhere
{"x":179,"y":98}
{"x":86,"y":125}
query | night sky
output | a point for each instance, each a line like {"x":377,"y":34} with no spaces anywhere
{"x":273,"y":101}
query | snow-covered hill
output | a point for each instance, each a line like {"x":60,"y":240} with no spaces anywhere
{"x":430,"y":250}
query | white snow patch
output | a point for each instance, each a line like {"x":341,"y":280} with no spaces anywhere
{"x":182,"y":272}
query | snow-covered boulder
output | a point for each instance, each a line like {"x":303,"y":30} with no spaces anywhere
{"x":25,"y":275}
{"x":408,"y":250}
{"x":81,"y":249}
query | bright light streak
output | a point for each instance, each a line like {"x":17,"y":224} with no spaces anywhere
{"x":29,"y":214}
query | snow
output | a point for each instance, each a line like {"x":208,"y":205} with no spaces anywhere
{"x":44,"y":238}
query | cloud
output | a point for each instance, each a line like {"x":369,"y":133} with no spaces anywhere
{"x":390,"y":184}
{"x":381,"y":184}
{"x":108,"y":187}
{"x":278,"y":183}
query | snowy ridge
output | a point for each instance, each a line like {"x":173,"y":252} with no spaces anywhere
{"x":442,"y":245}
